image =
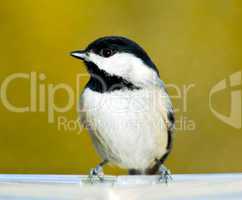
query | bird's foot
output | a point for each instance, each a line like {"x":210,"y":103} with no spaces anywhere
{"x":165,"y":175}
{"x":95,"y":173}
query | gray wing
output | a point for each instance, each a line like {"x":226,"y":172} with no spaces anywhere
{"x":169,"y":119}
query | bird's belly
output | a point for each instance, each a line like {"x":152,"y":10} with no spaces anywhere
{"x":129,"y":129}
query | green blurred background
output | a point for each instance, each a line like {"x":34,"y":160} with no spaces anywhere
{"x":192,"y":42}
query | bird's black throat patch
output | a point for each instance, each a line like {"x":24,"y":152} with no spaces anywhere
{"x":100,"y":81}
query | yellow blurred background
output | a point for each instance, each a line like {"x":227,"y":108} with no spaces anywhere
{"x":193,"y":43}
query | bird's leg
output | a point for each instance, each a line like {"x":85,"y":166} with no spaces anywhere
{"x":165,"y":174}
{"x":97,"y":171}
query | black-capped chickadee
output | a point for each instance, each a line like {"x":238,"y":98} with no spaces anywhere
{"x":126,"y":107}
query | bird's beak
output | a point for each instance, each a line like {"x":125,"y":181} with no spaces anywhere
{"x":81,"y":54}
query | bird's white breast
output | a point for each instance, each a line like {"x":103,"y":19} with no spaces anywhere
{"x":129,"y":124}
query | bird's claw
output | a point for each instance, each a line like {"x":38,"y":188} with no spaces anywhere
{"x":96,"y":172}
{"x":165,"y":175}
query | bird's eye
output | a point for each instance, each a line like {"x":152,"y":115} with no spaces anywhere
{"x":106,"y":52}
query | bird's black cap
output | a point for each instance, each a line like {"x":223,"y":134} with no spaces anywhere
{"x":121,"y":44}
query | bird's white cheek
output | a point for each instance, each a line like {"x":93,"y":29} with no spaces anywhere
{"x":114,"y":65}
{"x":126,"y":66}
{"x":143,"y":75}
{"x":117,"y":66}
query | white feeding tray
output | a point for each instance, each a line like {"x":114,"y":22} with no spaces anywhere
{"x":63,"y":187}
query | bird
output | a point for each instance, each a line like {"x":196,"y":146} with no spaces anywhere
{"x":126,"y":108}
